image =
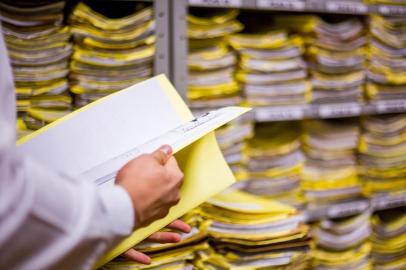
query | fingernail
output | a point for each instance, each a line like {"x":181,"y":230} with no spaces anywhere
{"x":166,"y":149}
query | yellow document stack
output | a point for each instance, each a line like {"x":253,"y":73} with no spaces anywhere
{"x":382,"y":151}
{"x":248,"y":232}
{"x":110,"y":54}
{"x":178,"y":256}
{"x":271,"y":68}
{"x":330,"y":173}
{"x":336,"y":59}
{"x":342,"y":243}
{"x":387,"y":58}
{"x":39,"y":50}
{"x":275,"y":162}
{"x":211,"y":63}
{"x":389,"y":239}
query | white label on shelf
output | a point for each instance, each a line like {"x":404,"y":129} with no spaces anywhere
{"x":279,"y":113}
{"x":347,"y":209}
{"x":390,"y":106}
{"x":347,"y":7}
{"x":282,"y":4}
{"x":388,"y":202}
{"x":337,"y":110}
{"x":392,"y":10}
{"x":217,"y":3}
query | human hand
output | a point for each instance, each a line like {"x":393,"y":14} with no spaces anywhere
{"x":159,"y":237}
{"x":153,"y":182}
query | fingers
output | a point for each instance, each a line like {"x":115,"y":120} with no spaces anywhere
{"x":179,"y":225}
{"x":137,"y":256}
{"x":162,"y":154}
{"x":164,"y":237}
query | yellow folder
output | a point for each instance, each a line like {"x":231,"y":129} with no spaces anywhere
{"x":206,"y":172}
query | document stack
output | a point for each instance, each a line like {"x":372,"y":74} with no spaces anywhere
{"x":110,"y":54}
{"x":387,"y":58}
{"x":342,"y":243}
{"x":389,"y":239}
{"x":271,"y":68}
{"x":211,"y":63}
{"x":336,"y":60}
{"x":232,"y":139}
{"x":383,"y":155}
{"x":39,"y":51}
{"x":248,"y":232}
{"x":177,"y":256}
{"x":275,"y":162}
{"x":330,"y":173}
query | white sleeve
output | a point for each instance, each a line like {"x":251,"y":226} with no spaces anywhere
{"x":49,"y":220}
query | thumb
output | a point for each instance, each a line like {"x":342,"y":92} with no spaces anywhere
{"x":162,"y":154}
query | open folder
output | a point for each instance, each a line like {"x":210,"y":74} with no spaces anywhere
{"x":95,"y":141}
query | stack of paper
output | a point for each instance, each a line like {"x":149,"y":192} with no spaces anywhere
{"x":389,"y":239}
{"x":275,"y":162}
{"x":249,"y":232}
{"x":387,"y":58}
{"x":110,"y":54}
{"x":336,"y":59}
{"x":342,"y":243}
{"x":232,"y":139}
{"x":170,"y":256}
{"x":382,"y":151}
{"x":330,"y":173}
{"x":211,"y":63}
{"x":39,"y":51}
{"x":271,"y":68}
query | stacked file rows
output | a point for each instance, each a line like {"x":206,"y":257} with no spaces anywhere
{"x":211,"y":62}
{"x":247,"y":232}
{"x":330,"y":173}
{"x":336,"y":60}
{"x":271,"y":68}
{"x":387,"y":58}
{"x":389,"y":239}
{"x":110,"y":54}
{"x":275,"y":163}
{"x":382,"y":154}
{"x":177,"y":256}
{"x":342,"y":243}
{"x":39,"y":51}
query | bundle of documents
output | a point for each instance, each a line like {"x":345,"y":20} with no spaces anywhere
{"x":387,"y":58}
{"x":271,"y":68}
{"x":211,"y":63}
{"x":342,"y":243}
{"x":39,"y":50}
{"x":382,"y":149}
{"x":389,"y":239}
{"x":275,"y":162}
{"x":170,"y":256}
{"x":330,"y":172}
{"x":336,"y":60}
{"x":110,"y":54}
{"x":249,"y":232}
{"x":232,"y":139}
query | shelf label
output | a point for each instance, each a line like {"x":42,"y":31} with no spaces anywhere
{"x":391,"y":10}
{"x":347,"y":209}
{"x":350,"y":7}
{"x":279,"y":113}
{"x":216,"y":3}
{"x":388,"y":202}
{"x":338,"y":110}
{"x":392,"y":106}
{"x":281,"y":4}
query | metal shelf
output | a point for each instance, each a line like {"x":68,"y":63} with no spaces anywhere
{"x":325,"y":111}
{"x":355,"y":207}
{"x":334,"y":6}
